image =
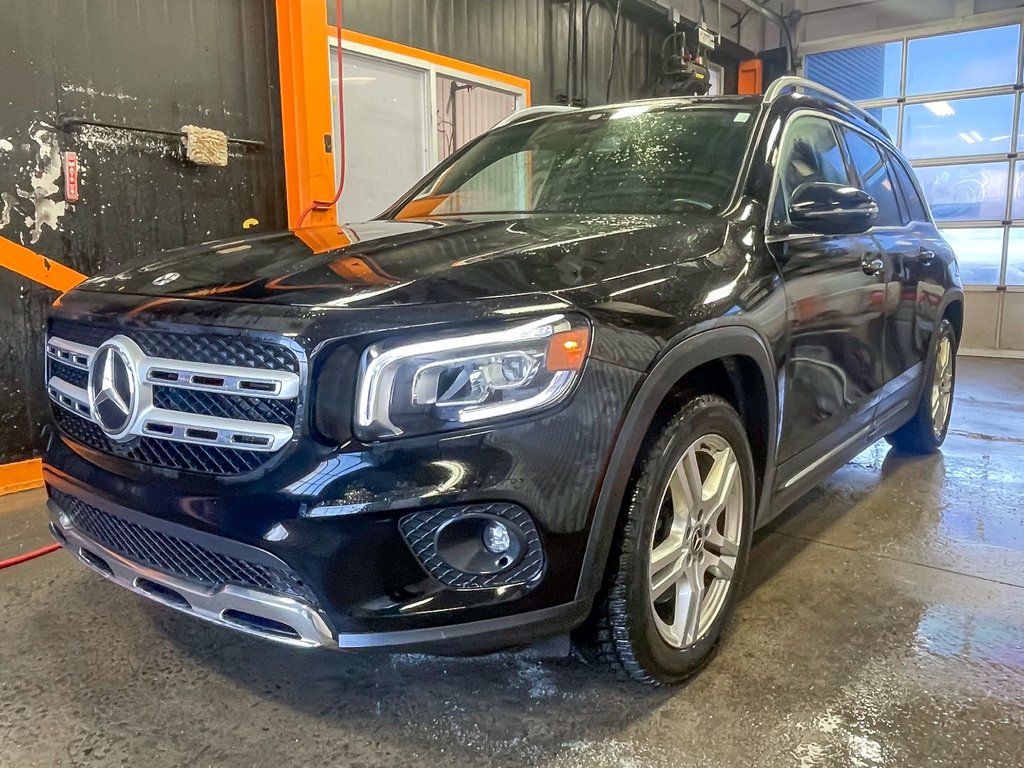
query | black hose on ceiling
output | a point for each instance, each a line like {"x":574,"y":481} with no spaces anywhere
{"x":778,"y":21}
{"x":570,"y":79}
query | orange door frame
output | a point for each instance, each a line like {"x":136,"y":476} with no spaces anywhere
{"x":307,"y":124}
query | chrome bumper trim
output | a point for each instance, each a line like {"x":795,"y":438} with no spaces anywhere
{"x":212,"y":605}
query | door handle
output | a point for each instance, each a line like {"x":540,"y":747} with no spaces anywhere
{"x":925,"y":256}
{"x":873,"y":267}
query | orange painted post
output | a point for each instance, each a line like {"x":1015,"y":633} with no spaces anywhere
{"x":306,"y":120}
{"x":21,"y":476}
{"x":40,"y":269}
{"x":749,"y":82}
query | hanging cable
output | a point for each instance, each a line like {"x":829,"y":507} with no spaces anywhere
{"x":615,"y":48}
{"x":326,"y":205}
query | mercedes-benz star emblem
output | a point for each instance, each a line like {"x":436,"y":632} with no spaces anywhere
{"x":112,"y":390}
{"x":170,"y":277}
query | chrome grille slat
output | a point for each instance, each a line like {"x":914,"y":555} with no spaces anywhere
{"x":196,"y":415}
{"x":69,"y":352}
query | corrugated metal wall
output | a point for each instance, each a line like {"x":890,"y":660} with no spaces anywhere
{"x":150,"y":63}
{"x":527,"y":38}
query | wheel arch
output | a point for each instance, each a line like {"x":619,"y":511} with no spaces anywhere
{"x":733,"y":361}
{"x":953,"y":308}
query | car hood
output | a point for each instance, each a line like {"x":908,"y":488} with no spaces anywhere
{"x":380,"y":263}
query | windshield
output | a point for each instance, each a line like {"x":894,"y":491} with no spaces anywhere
{"x":645,"y":159}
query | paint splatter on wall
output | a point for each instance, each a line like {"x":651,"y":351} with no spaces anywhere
{"x":35,"y":201}
{"x":137,"y":196}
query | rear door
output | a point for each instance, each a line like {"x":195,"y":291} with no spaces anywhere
{"x":901,"y":245}
{"x":926,"y":258}
{"x":835,"y":306}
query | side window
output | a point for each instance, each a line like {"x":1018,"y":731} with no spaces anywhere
{"x":917,"y":208}
{"x":810,"y":152}
{"x":868,"y":162}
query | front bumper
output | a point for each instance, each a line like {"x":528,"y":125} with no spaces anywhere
{"x":255,"y":612}
{"x":295,"y":622}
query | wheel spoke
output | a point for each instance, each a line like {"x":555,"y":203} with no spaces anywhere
{"x":689,"y":598}
{"x":667,"y":563}
{"x":719,"y":485}
{"x":685,"y":485}
{"x":721,"y":565}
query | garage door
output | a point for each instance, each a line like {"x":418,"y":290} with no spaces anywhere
{"x":952,"y":103}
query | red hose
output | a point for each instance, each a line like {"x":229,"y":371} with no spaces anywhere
{"x":323,"y":205}
{"x":28,"y":556}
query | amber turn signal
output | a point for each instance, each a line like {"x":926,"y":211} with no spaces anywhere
{"x":567,"y":350}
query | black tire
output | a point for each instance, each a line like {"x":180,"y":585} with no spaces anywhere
{"x":624,"y":630}
{"x":922,"y":435}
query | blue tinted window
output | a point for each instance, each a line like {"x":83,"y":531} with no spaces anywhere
{"x":958,"y":62}
{"x":874,"y":176}
{"x":915,"y":205}
{"x":868,"y":72}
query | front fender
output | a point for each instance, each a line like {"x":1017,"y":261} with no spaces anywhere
{"x":681,"y":358}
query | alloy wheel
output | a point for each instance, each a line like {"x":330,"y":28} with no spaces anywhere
{"x":942,"y":386}
{"x":696,"y":541}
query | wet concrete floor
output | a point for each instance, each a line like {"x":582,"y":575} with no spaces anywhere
{"x":883,"y":625}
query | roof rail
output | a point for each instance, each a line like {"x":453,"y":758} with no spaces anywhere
{"x":529,"y":113}
{"x":787,"y":85}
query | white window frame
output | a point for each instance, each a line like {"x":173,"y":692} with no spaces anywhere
{"x":432,"y":70}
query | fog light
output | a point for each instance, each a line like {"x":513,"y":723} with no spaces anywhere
{"x":65,"y":521}
{"x":497,"y":537}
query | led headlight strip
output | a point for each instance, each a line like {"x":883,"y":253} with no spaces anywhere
{"x":460,"y":380}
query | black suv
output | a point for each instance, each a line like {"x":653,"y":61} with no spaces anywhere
{"x":557,"y":386}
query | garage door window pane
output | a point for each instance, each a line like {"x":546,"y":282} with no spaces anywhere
{"x":1015,"y":258}
{"x":958,"y":127}
{"x":889,"y":117}
{"x":868,"y":72}
{"x":959,"y":62}
{"x":970,"y":192}
{"x":979,"y":253}
{"x":1018,"y":191}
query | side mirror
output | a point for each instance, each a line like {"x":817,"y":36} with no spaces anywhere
{"x":832,"y":209}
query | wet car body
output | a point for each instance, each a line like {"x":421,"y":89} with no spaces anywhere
{"x":829,"y":358}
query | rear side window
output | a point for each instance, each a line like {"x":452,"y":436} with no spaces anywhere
{"x":874,"y":177}
{"x":810,"y":153}
{"x":916,"y":207}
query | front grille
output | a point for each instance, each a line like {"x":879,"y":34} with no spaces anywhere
{"x":203,"y":348}
{"x":225,"y":406}
{"x":170,"y":454}
{"x":176,"y":556}
{"x":71,"y":375}
{"x":217,"y":350}
{"x":200,"y":445}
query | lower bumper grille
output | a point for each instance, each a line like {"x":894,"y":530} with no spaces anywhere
{"x":176,"y":556}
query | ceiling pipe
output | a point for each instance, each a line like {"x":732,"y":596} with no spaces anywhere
{"x":780,"y":22}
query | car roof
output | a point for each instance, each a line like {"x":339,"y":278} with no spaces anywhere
{"x":785,"y":89}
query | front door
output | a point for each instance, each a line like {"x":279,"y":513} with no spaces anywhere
{"x":835,"y":288}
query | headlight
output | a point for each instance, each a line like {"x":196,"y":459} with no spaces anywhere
{"x":439,"y":384}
